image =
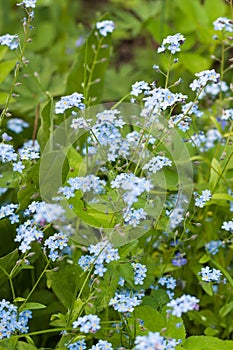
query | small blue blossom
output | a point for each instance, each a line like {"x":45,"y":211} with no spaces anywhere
{"x":139,"y":273}
{"x":26,"y":234}
{"x":133,"y":216}
{"x":169,"y":282}
{"x":203,"y":78}
{"x":172,"y":43}
{"x":157,"y":163}
{"x":228,"y":226}
{"x":11,"y":321}
{"x":28,"y":3}
{"x":105,"y":27}
{"x":11,"y":41}
{"x":223,"y":23}
{"x":102,"y":345}
{"x":139,"y":87}
{"x":125,"y":301}
{"x":209,"y":275}
{"x":212,"y":247}
{"x":88,"y":323}
{"x":9,"y":211}
{"x":182,"y":305}
{"x":56,"y":243}
{"x":200,"y":200}
{"x":179,"y":260}
{"x":17,"y":125}
{"x":78,"y":345}
{"x":69,"y":101}
{"x":18,"y":167}
{"x":101,"y":253}
{"x":121,"y":281}
{"x":7,"y":153}
{"x":155,"y":341}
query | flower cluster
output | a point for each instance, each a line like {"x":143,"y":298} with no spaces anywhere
{"x":133,"y":216}
{"x":88,"y":323}
{"x":200,"y":200}
{"x":132,"y":185}
{"x":101,"y":253}
{"x":169,"y":283}
{"x":155,"y":341}
{"x":105,"y":27}
{"x":212,"y":247}
{"x":157,"y":163}
{"x":139,"y":273}
{"x":9,"y":211}
{"x":16,"y":125}
{"x":228,"y":226}
{"x":203,"y":78}
{"x":43,"y":213}
{"x":210,"y":275}
{"x":102,"y":345}
{"x":28,"y":3}
{"x":56,"y":243}
{"x":172,"y":43}
{"x":125,"y":301}
{"x":78,"y":345}
{"x":11,"y":321}
{"x":223,"y":23}
{"x":26,"y":234}
{"x":69,"y":101}
{"x":84,"y":184}
{"x":139,"y":87}
{"x":183,"y":304}
{"x":11,"y":41}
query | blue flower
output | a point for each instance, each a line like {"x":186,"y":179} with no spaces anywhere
{"x":183,"y":304}
{"x":11,"y":41}
{"x":209,"y":275}
{"x":56,"y":243}
{"x":155,"y":341}
{"x":69,"y":101}
{"x":88,"y":323}
{"x":172,"y":43}
{"x":139,"y":273}
{"x":102,"y":345}
{"x":200,"y":200}
{"x":105,"y":27}
{"x":78,"y":345}
{"x":28,"y":3}
{"x":223,"y":23}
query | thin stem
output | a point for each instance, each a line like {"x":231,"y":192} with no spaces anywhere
{"x":36,"y":284}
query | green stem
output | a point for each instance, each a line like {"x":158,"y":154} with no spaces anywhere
{"x":36,"y":284}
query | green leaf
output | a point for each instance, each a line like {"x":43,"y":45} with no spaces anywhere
{"x":88,"y":71}
{"x":6,"y":265}
{"x":5,"y":68}
{"x":32,"y":306}
{"x":204,"y":259}
{"x":25,"y":346}
{"x":207,"y":343}
{"x":46,"y":126}
{"x":215,"y":173}
{"x":30,"y":186}
{"x":153,"y":320}
{"x":226,"y":309}
{"x":70,"y":276}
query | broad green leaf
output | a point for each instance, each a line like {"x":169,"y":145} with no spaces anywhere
{"x":204,"y":259}
{"x":215,"y":173}
{"x":207,"y":343}
{"x":5,"y":68}
{"x":25,"y":346}
{"x":153,"y":320}
{"x":87,"y":74}
{"x":6,"y":265}
{"x":193,"y":61}
{"x":63,"y":283}
{"x":29,"y":186}
{"x":46,"y":126}
{"x":3,"y":51}
{"x":226,"y":309}
{"x":32,"y":306}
